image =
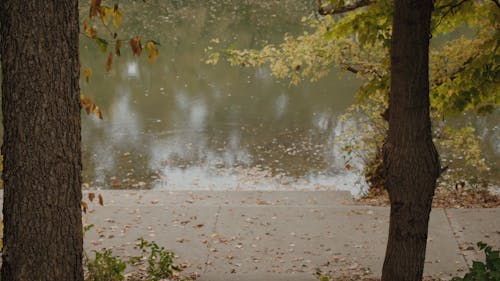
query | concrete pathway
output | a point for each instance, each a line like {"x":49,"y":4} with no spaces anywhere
{"x":283,"y":235}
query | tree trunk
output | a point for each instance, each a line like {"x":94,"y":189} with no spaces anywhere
{"x":411,"y":162}
{"x":41,"y":146}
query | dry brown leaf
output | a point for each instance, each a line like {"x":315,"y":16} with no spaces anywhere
{"x":84,"y":206}
{"x":135,"y":45}
{"x":89,"y":30}
{"x":94,"y":7}
{"x":109,"y":61}
{"x":101,"y":200}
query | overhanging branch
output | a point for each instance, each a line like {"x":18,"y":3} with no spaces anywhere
{"x":331,"y":10}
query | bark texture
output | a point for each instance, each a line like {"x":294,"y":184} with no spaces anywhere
{"x":411,"y":162}
{"x":42,"y":141}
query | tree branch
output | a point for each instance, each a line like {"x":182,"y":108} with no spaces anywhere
{"x":352,"y":69}
{"x":450,"y":9}
{"x":438,"y":82}
{"x":331,"y":10}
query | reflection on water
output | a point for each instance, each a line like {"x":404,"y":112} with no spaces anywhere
{"x":182,"y":124}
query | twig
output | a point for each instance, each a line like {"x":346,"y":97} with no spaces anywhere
{"x":450,"y":7}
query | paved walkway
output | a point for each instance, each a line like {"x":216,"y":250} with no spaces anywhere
{"x":287,"y":235}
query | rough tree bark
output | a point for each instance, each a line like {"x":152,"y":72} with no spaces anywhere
{"x":411,"y":162}
{"x":41,"y":146}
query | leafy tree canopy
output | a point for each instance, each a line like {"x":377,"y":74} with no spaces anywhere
{"x":355,"y":36}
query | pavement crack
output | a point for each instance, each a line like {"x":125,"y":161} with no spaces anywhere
{"x":209,"y":243}
{"x":454,"y":231}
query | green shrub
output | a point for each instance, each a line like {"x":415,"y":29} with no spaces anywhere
{"x":480,"y":271}
{"x":105,"y":267}
{"x":160,"y":262}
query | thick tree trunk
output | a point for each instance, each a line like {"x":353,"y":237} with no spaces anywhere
{"x":41,"y":145}
{"x":411,"y":162}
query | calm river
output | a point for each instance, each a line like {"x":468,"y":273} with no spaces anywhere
{"x":182,"y":124}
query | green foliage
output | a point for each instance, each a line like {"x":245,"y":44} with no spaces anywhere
{"x":480,"y":271}
{"x":460,"y":151}
{"x":321,"y":277}
{"x":87,"y":228}
{"x":464,"y":71}
{"x":105,"y":267}
{"x":160,"y":263}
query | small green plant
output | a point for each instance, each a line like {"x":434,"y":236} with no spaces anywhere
{"x":105,"y":267}
{"x":480,"y":271}
{"x":160,"y":262}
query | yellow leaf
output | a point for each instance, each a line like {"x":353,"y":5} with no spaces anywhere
{"x":84,"y":206}
{"x":153,"y":52}
{"x":101,"y":200}
{"x":91,"y":196}
{"x":87,"y":73}
{"x":89,"y":30}
{"x":90,"y":107}
{"x":106,"y":13}
{"x":135,"y":45}
{"x":117,"y":18}
{"x":86,"y":103}
{"x":109,"y":61}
